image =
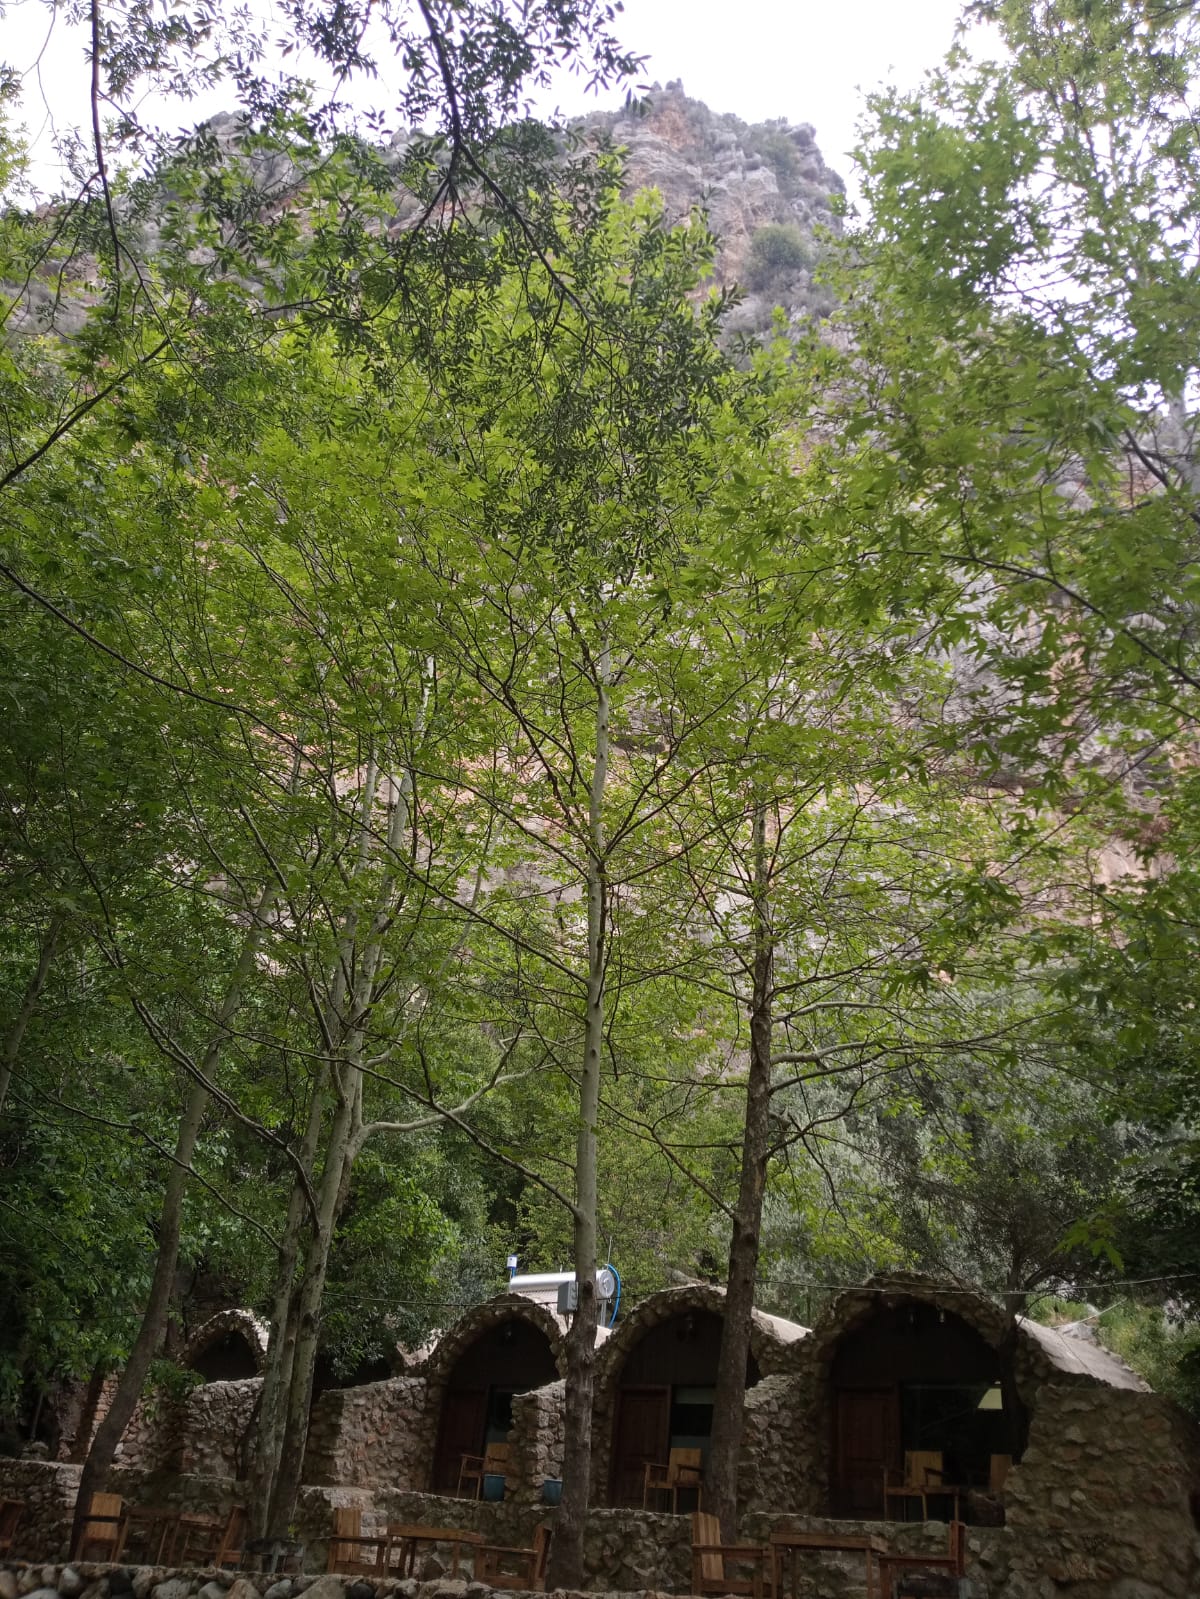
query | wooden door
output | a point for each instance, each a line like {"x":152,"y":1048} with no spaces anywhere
{"x":460,"y":1432}
{"x":866,"y":1443}
{"x":640,"y":1437}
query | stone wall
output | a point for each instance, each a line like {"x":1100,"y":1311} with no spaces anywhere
{"x":48,"y":1489}
{"x":637,"y":1549}
{"x":202,"y":1432}
{"x":1100,"y":1506}
{"x":90,"y":1580}
{"x":369,"y":1436}
{"x":152,"y":1440}
{"x":780,"y":1464}
{"x":536,"y":1441}
{"x":215,"y":1425}
{"x":82,"y":1409}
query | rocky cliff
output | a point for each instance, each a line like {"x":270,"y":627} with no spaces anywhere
{"x":765,"y":186}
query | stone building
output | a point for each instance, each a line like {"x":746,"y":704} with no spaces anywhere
{"x":1097,"y":1502}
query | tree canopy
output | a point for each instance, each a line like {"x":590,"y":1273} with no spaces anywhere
{"x":488,"y":763}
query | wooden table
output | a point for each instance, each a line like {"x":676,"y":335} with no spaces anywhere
{"x":785,"y":1545}
{"x":407,"y":1538}
{"x":150,"y":1530}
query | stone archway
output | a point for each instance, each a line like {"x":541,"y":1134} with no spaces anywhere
{"x":498,"y":1350}
{"x":655,"y":1378}
{"x":229,"y":1347}
{"x":905,"y":1363}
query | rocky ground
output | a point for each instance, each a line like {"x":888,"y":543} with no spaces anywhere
{"x":90,"y":1580}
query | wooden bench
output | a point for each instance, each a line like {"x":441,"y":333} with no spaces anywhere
{"x":787,"y":1545}
{"x":502,"y":1567}
{"x":407,"y":1538}
{"x":906,"y":1571}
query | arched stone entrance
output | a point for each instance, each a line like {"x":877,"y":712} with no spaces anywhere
{"x":227,"y":1348}
{"x":664,"y":1398}
{"x":656,"y":1379}
{"x":504,"y":1348}
{"x":913,"y":1376}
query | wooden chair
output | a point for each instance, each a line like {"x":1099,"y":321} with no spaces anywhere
{"x":207,"y":1541}
{"x":12,"y":1513}
{"x":492,"y":1463}
{"x":501,"y":1567}
{"x":148,"y":1535}
{"x":895,"y":1569}
{"x":923,"y":1475}
{"x":683,"y":1470}
{"x":104,"y":1529}
{"x":350,"y":1551}
{"x":709,"y":1555}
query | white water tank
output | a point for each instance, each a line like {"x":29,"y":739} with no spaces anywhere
{"x":557,"y":1291}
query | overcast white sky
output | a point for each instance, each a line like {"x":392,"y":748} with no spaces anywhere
{"x":806,"y":60}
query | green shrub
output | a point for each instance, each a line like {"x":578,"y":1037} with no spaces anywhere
{"x":780,"y":154}
{"x":1164,"y":1349}
{"x":777,"y":253}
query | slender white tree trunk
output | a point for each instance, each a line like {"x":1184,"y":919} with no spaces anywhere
{"x":725,"y":1446}
{"x":566,"y":1556}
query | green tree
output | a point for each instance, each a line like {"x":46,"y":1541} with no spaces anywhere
{"x":588,"y":441}
{"x":1019,"y":302}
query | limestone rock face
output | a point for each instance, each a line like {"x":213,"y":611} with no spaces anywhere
{"x":765,"y":187}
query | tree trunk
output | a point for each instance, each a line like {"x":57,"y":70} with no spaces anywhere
{"x":281,"y":1344}
{"x":1016,"y":1416}
{"x":566,"y":1552}
{"x":295,"y":1332}
{"x":725,"y":1446}
{"x":306,"y":1322}
{"x":154,"y":1317}
{"x":87,"y":1413}
{"x":33,"y":992}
